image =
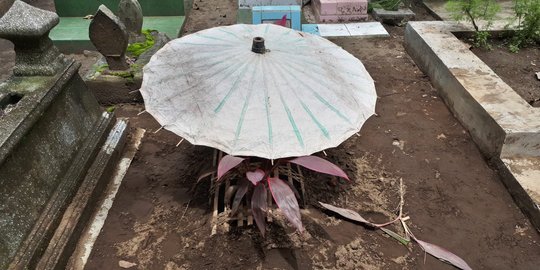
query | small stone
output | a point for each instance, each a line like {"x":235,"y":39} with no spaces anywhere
{"x":126,"y":264}
{"x":538,"y":75}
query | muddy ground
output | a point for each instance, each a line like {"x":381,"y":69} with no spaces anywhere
{"x":454,"y":198}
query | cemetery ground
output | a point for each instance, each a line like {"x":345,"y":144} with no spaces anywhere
{"x":453,"y":196}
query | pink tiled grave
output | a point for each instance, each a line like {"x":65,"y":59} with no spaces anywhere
{"x":340,"y":10}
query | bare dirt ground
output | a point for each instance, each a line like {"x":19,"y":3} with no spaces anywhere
{"x":516,"y":69}
{"x":453,"y":197}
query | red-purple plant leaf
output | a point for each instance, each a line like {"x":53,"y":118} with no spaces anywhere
{"x":347,"y":213}
{"x":226,"y":164}
{"x":285,"y":199}
{"x":259,"y":207}
{"x":256,"y":176}
{"x":283,"y":21}
{"x":242,"y":189}
{"x":319,"y":165}
{"x":443,"y":255}
{"x":293,"y":188}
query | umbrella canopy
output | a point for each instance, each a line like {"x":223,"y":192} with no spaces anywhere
{"x":258,"y":90}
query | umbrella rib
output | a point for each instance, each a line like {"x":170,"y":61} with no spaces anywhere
{"x":299,"y":68}
{"x":319,"y":65}
{"x":295,"y":53}
{"x":231,"y":69}
{"x":233,"y":87}
{"x":230,"y":33}
{"x":203,"y":44}
{"x":248,"y":28}
{"x":220,"y":61}
{"x":245,"y":106}
{"x":287,"y":110}
{"x":216,"y":38}
{"x":317,"y":95}
{"x":321,"y":127}
{"x":282,"y":36}
{"x":267,"y":107}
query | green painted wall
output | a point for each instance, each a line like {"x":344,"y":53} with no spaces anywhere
{"x":80,"y":8}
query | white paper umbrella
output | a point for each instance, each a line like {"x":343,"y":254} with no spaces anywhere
{"x":299,"y":95}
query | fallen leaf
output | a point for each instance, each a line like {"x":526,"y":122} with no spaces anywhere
{"x":396,"y":236}
{"x":443,"y":255}
{"x":347,"y":213}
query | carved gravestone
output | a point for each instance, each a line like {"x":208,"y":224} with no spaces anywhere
{"x":28,"y":28}
{"x":109,"y":36}
{"x":58,"y":147}
{"x":130,"y":13}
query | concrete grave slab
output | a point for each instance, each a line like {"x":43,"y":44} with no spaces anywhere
{"x":503,"y":125}
{"x":393,"y":17}
{"x":333,"y":30}
{"x":367,"y":29}
{"x":364,"y":29}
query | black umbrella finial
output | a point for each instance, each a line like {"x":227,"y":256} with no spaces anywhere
{"x":258,"y":45}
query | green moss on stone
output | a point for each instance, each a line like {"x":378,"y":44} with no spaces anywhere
{"x":102,"y":68}
{"x":136,"y":49}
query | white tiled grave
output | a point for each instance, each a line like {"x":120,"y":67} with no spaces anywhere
{"x":364,"y":29}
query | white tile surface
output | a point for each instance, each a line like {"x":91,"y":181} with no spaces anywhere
{"x":368,"y":29}
{"x":364,"y":29}
{"x":333,"y":30}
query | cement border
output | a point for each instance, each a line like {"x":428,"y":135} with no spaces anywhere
{"x":503,"y":125}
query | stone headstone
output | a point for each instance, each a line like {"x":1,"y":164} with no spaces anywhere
{"x":109,"y":36}
{"x":28,"y":28}
{"x":130,"y":13}
{"x":57,"y":147}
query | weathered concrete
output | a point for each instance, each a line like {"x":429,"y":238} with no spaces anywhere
{"x":393,"y":17}
{"x":50,"y":140}
{"x":80,"y":210}
{"x":503,"y":125}
{"x":89,"y":236}
{"x":47,"y":143}
{"x":110,"y":37}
